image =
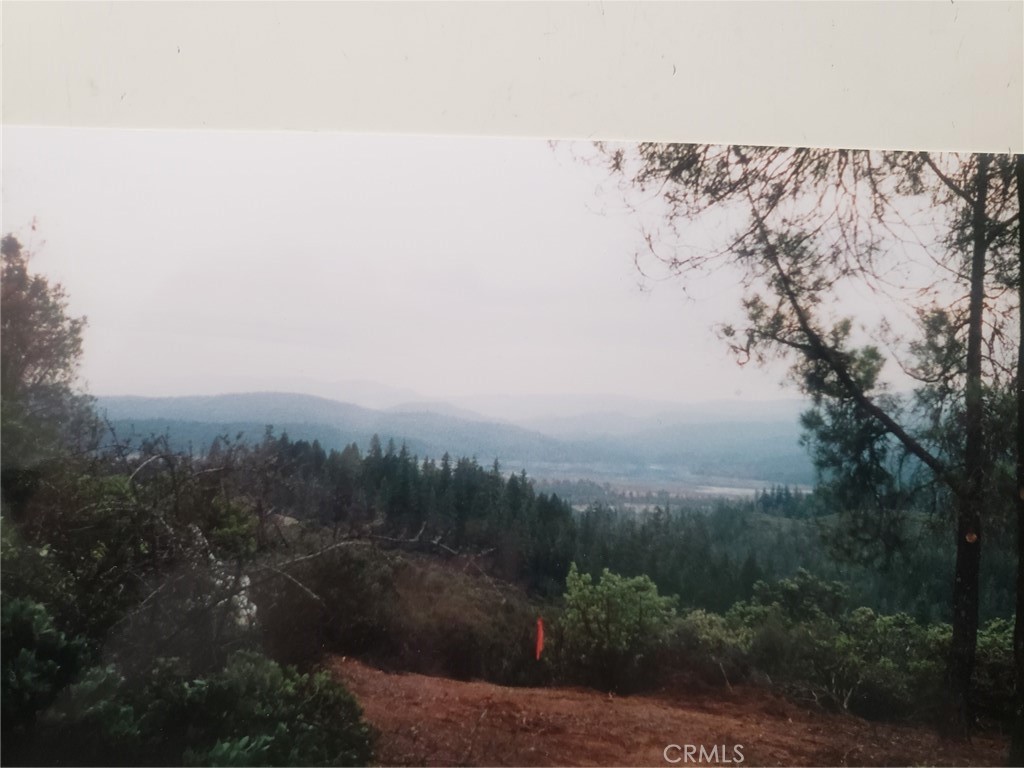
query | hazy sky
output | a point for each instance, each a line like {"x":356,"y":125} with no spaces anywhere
{"x":216,"y":262}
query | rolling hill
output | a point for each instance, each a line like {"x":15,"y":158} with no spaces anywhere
{"x":685,"y":447}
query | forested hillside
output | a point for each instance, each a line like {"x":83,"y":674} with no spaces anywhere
{"x":676,"y":449}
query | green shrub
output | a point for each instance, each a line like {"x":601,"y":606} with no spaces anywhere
{"x":873,"y":665}
{"x":31,"y":571}
{"x":876,"y":666}
{"x":38,"y":661}
{"x":251,"y":712}
{"x":610,"y":630}
{"x":92,"y":722}
{"x":258,"y":712}
{"x":891,"y":666}
{"x":993,"y":673}
{"x":790,"y":650}
{"x":802,"y":598}
{"x":704,"y":650}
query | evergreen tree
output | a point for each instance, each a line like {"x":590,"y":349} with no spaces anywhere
{"x":816,"y":220}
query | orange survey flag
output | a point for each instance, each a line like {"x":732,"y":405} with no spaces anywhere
{"x":540,"y":636}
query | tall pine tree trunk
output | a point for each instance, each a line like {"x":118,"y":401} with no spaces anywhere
{"x":1017,"y":744}
{"x":968,"y":535}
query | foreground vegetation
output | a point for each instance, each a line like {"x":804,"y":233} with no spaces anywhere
{"x":145,"y":591}
{"x":128,"y":632}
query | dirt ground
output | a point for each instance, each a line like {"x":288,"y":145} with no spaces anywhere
{"x":433,"y":721}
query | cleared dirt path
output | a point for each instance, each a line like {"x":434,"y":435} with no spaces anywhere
{"x":434,"y":721}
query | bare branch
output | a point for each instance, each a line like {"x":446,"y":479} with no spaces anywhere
{"x":297,"y":583}
{"x":948,"y":181}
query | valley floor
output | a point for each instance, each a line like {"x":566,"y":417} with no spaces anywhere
{"x":435,"y":721}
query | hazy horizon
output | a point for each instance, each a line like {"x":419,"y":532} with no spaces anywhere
{"x":512,"y":408}
{"x":451,"y":267}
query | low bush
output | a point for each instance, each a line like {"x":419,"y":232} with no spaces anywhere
{"x":257,"y":712}
{"x":993,"y":673}
{"x":38,"y":662}
{"x":703,"y":651}
{"x":59,"y":708}
{"x":251,"y":712}
{"x":611,"y":630}
{"x":876,"y":666}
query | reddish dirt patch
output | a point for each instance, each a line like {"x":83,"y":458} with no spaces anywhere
{"x":435,"y":721}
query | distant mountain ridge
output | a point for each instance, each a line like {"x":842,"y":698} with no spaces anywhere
{"x":434,"y":433}
{"x":686,"y":446}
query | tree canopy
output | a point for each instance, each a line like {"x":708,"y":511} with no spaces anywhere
{"x":40,"y":348}
{"x":934,"y":238}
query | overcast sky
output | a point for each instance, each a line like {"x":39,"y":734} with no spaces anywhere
{"x":214,"y":262}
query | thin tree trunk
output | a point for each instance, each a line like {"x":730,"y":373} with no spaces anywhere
{"x":1017,"y":744}
{"x":968,"y":535}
